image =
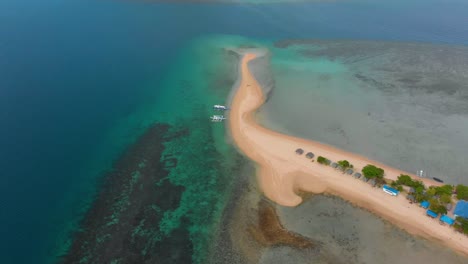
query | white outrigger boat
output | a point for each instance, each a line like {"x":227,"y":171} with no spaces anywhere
{"x":220,"y":107}
{"x":217,"y":118}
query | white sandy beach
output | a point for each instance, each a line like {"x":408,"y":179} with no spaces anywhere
{"x":281,"y":172}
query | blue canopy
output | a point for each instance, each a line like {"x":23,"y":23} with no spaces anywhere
{"x":447,"y":220}
{"x":388,"y":188}
{"x":461,"y":209}
{"x":425,"y":204}
{"x":431,"y":213}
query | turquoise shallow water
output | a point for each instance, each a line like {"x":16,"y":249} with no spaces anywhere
{"x":78,"y":85}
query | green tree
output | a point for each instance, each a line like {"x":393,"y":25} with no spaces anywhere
{"x":419,"y":189}
{"x":405,"y":180}
{"x":371,"y":171}
{"x":437,"y":207}
{"x":323,"y":160}
{"x":445,"y":189}
{"x":461,"y":225}
{"x":462,"y":192}
{"x":408,"y":181}
{"x":445,"y":198}
{"x":431,"y":191}
{"x":345,"y":164}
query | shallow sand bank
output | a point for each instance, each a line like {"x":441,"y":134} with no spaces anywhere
{"x":281,"y":172}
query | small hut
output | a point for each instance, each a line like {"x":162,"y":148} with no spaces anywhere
{"x":425,"y":204}
{"x":372,"y":182}
{"x":299,"y":151}
{"x":411,"y":198}
{"x":447,"y":220}
{"x":309,"y":155}
{"x":349,"y":171}
{"x":334,"y":165}
{"x":357,"y":175}
{"x":461,"y":209}
{"x":364,"y":179}
{"x":432,"y":213}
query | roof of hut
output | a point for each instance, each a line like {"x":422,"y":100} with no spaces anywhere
{"x":461,"y":209}
{"x":349,"y":171}
{"x":425,"y":204}
{"x":299,"y":151}
{"x":447,"y":220}
{"x":334,"y":165}
{"x":432,"y":213}
{"x":309,"y":155}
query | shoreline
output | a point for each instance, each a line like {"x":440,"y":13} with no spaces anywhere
{"x":281,"y":173}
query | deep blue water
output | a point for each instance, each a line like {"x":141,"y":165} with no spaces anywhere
{"x":69,"y":70}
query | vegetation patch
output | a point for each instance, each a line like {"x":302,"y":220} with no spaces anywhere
{"x":371,"y":172}
{"x":345,"y":164}
{"x":323,"y":160}
{"x":462,"y":192}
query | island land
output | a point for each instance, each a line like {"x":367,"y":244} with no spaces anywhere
{"x":282,"y":173}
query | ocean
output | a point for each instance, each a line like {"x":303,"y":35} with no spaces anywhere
{"x":80,"y":81}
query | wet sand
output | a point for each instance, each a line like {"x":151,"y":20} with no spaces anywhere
{"x":282,"y":173}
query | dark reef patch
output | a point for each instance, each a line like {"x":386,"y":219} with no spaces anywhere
{"x":122,"y":225}
{"x":270,"y":231}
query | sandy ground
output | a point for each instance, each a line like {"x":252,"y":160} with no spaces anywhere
{"x":281,"y":172}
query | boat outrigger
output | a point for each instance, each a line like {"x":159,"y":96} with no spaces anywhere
{"x":217,"y":118}
{"x":220,"y":107}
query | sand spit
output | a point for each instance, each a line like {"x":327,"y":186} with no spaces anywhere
{"x":281,"y":172}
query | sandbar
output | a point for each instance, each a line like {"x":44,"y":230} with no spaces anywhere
{"x":282,"y":173}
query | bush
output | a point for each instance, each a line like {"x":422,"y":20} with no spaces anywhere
{"x":445,"y":189}
{"x":345,"y":164}
{"x":408,"y":181}
{"x":405,"y":180}
{"x":437,"y":207}
{"x":323,"y":160}
{"x":445,"y":199}
{"x":462,"y":192}
{"x":461,"y":225}
{"x":371,"y":171}
{"x":431,"y":191}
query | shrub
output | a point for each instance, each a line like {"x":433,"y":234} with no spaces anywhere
{"x":408,"y":181}
{"x":345,"y":164}
{"x":371,"y":171}
{"x":405,"y":180}
{"x":431,"y":191}
{"x":462,"y":192}
{"x":437,"y":207}
{"x":462,"y":225}
{"x":445,"y":189}
{"x":323,"y":160}
{"x":445,"y":198}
